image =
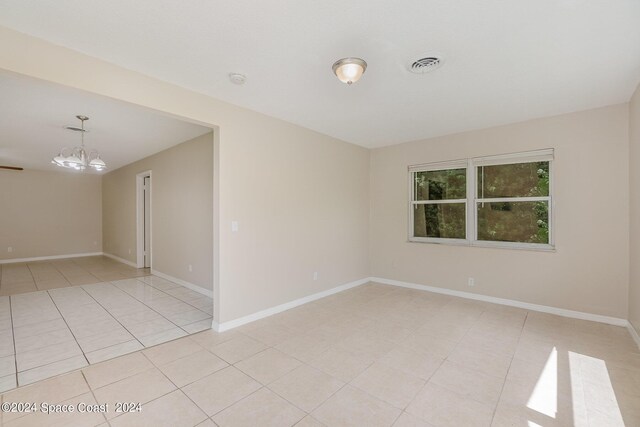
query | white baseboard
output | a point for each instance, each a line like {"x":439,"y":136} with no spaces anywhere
{"x":184,"y":283}
{"x":122,"y":260}
{"x":46,"y":258}
{"x":225,"y":326}
{"x":527,"y":306}
{"x":634,"y":333}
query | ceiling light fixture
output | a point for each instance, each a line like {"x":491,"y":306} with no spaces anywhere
{"x":349,"y":70}
{"x":76,"y":157}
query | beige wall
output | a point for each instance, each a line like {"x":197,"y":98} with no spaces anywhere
{"x":634,"y":233}
{"x":589,"y":270}
{"x":49,"y":213}
{"x":181,"y":205}
{"x":310,"y":223}
{"x":301,"y":200}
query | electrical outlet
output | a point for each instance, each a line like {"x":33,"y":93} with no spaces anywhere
{"x":190,"y":267}
{"x":315,"y":275}
{"x":234,"y":226}
{"x":472,"y":281}
{"x":9,"y":249}
{"x":95,"y":243}
{"x":129,"y":251}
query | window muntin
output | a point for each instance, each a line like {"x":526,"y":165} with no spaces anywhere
{"x":502,"y":201}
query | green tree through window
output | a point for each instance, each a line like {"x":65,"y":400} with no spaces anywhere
{"x":445,"y":219}
{"x":524,"y":221}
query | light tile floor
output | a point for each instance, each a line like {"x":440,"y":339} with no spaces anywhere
{"x":371,"y":356}
{"x":48,"y":332}
{"x":17,"y":278}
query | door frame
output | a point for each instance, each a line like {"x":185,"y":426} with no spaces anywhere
{"x":140,"y":218}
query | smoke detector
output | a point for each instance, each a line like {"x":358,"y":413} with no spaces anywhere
{"x":426,"y":64}
{"x":237,"y":78}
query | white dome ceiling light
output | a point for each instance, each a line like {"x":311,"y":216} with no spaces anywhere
{"x":76,"y":157}
{"x":349,"y":70}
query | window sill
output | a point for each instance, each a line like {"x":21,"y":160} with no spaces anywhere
{"x":480,"y":244}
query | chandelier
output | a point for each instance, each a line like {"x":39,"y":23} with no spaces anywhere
{"x":76,"y":157}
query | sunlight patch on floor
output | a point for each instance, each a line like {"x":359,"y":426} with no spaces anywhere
{"x":593,"y":396}
{"x":544,"y":398}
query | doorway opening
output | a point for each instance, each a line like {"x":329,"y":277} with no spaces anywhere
{"x":144,"y":220}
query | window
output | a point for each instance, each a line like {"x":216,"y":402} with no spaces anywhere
{"x":500,"y":201}
{"x":440,"y":202}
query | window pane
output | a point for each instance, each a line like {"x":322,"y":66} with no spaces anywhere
{"x":526,"y":222}
{"x":517,"y":180}
{"x":441,"y":185}
{"x":445,"y":220}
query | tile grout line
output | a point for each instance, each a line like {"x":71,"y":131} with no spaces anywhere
{"x":229,"y":365}
{"x":173,"y":296}
{"x":68,"y":327}
{"x":150,"y":308}
{"x":176,"y":386}
{"x":154,"y":366}
{"x":446,"y":358}
{"x":62,"y":274}
{"x":188,"y":303}
{"x":93,"y":394}
{"x":344,"y":383}
{"x":168,"y":295}
{"x":88,"y":365}
{"x":33,"y":278}
{"x":52,"y":266}
{"x":402,"y":410}
{"x":13,"y":336}
{"x":493,"y":415}
{"x":75,"y":262}
{"x":113,"y":317}
{"x":141,"y":302}
{"x":266,"y":386}
{"x":46,"y":364}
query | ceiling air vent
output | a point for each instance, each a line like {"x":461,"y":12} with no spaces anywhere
{"x":426,"y":64}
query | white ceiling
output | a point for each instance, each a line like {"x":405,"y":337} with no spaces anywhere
{"x":506,"y":61}
{"x":33,"y":115}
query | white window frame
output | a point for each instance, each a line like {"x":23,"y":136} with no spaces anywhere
{"x":471,"y":202}
{"x":456,"y":164}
